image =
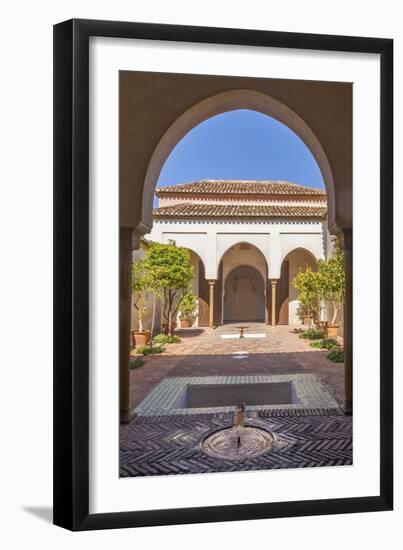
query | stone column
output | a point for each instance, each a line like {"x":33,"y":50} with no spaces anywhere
{"x":125,"y":263}
{"x":348,"y":322}
{"x":211,"y":302}
{"x":273,"y":301}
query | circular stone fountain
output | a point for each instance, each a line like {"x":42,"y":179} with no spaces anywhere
{"x":238,"y":443}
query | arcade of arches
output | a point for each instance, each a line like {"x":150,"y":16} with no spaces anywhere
{"x":248,"y":240}
{"x":243,"y":292}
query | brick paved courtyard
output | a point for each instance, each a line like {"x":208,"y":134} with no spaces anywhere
{"x":171,"y":444}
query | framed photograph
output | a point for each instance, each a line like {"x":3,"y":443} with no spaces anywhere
{"x":223,"y":339}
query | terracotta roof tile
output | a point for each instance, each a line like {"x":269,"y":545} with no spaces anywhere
{"x":187,"y":210}
{"x":250,"y":187}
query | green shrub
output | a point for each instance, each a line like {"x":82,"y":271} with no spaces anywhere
{"x":146,"y":350}
{"x":312,"y":335}
{"x":166,"y":339}
{"x":326,"y":343}
{"x":136,"y":363}
{"x":317,"y":344}
{"x":337,"y":356}
{"x":188,"y":307}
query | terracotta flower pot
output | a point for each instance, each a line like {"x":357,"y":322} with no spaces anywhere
{"x":140,"y":338}
{"x":185,"y":323}
{"x":332,"y":331}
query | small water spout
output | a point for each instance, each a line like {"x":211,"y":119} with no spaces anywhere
{"x":240,"y":416}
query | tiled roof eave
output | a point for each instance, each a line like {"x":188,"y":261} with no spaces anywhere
{"x":215,"y":188}
{"x":189,"y":211}
{"x":201,"y":217}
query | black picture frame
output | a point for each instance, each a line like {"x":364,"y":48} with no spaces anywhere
{"x":71,"y":274}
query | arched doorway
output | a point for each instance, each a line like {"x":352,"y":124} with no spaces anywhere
{"x":298,"y":259}
{"x":243,"y":267}
{"x":244,"y":295}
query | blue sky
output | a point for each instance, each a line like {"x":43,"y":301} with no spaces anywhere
{"x":241,"y":145}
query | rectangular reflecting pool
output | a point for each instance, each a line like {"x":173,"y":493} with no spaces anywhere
{"x":214,"y":394}
{"x":225,"y":395}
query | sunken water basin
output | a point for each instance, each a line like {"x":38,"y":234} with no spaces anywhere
{"x":238,"y":443}
{"x":217,"y":394}
{"x":224,"y":395}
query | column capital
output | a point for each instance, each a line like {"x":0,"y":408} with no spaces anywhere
{"x":212,"y":282}
{"x":129,"y":239}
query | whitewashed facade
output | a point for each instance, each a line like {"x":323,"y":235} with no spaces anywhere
{"x":248,"y":239}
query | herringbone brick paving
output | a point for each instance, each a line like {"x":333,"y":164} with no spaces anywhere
{"x":171,"y":445}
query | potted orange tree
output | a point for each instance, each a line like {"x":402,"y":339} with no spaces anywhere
{"x":331,"y":277}
{"x":187,"y":312}
{"x":306,"y":283}
{"x":169,"y":273}
{"x":140,"y":293}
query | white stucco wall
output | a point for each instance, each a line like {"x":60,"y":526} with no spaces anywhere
{"x":271,"y":242}
{"x":210,"y":239}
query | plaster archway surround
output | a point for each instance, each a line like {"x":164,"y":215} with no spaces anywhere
{"x":158,"y":109}
{"x":221,"y":103}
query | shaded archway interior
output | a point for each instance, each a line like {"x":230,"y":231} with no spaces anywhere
{"x":242,"y":284}
{"x":244,"y":295}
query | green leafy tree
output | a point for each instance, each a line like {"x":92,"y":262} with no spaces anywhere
{"x":169,"y":273}
{"x":139,"y":290}
{"x":307,"y":284}
{"x":327,"y":284}
{"x":332,"y":280}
